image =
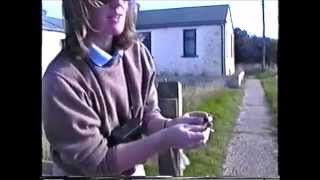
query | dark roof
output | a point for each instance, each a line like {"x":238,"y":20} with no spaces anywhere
{"x":188,"y":16}
{"x":52,"y":24}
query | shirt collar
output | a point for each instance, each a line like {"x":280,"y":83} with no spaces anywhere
{"x":101,"y":58}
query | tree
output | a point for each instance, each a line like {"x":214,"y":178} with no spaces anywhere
{"x":272,"y":50}
{"x":249,"y":49}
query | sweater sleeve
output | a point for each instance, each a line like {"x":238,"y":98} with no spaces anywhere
{"x":153,"y":118}
{"x":72,"y":129}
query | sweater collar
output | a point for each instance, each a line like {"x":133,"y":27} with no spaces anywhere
{"x":101,"y":58}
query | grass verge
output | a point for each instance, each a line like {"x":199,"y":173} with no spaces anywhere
{"x":208,"y":160}
{"x":269,"y":83}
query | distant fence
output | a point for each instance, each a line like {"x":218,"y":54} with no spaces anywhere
{"x":194,"y":81}
{"x":254,"y":68}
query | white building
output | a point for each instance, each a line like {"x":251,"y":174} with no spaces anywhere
{"x":52,"y":33}
{"x":190,"y":41}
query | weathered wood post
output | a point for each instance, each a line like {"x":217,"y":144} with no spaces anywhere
{"x":170,"y":103}
{"x":46,"y":159}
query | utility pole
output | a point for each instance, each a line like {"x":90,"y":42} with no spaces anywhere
{"x":263,"y":39}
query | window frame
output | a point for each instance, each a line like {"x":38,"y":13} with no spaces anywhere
{"x":191,"y":39}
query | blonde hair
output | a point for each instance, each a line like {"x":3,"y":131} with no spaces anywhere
{"x":76,"y":15}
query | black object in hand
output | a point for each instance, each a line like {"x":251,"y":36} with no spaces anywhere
{"x":130,"y":131}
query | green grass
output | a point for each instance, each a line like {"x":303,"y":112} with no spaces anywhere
{"x":270,"y":86}
{"x":150,"y":169}
{"x":208,"y":160}
{"x":224,"y":104}
{"x":265,"y":74}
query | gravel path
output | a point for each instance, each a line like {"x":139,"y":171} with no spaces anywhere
{"x":253,"y":149}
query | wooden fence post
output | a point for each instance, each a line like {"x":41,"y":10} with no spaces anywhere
{"x":170,"y":103}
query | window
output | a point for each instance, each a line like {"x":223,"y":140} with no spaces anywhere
{"x":189,"y":43}
{"x":147,"y":39}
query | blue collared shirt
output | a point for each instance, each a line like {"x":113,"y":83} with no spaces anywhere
{"x":101,"y":58}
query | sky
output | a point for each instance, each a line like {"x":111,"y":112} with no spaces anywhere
{"x":246,"y":14}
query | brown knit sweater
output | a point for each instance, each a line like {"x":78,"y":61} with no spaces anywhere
{"x":83,"y":102}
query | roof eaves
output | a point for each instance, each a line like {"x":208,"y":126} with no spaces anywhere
{"x":229,"y":9}
{"x":179,"y":24}
{"x":53,"y":29}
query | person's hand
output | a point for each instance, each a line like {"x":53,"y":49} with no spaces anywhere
{"x":193,"y":118}
{"x":184,"y":136}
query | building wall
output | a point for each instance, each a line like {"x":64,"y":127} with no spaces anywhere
{"x":50,"y":47}
{"x":229,"y":47}
{"x":167,"y":50}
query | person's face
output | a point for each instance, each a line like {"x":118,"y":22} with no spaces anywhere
{"x":109,"y":19}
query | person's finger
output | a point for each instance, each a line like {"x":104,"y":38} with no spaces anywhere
{"x":195,"y":128}
{"x":196,"y":136}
